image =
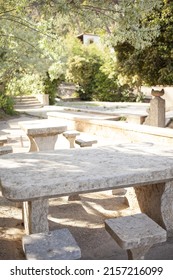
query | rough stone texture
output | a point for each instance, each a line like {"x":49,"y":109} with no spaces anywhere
{"x":30,"y":176}
{"x":85,"y":143}
{"x":156,"y":201}
{"x":5,"y":150}
{"x":71,"y":136}
{"x":3,"y":140}
{"x":148,"y":199}
{"x":136,"y":233}
{"x":53,"y":245}
{"x":167,"y":207}
{"x":156,"y":115}
{"x":128,"y":132}
{"x":42,"y":133}
{"x":35,"y":216}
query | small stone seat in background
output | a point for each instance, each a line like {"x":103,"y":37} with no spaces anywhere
{"x":3,"y":140}
{"x":53,"y":245}
{"x":5,"y":150}
{"x":86,"y":142}
{"x":136,"y":234}
{"x":70,"y":135}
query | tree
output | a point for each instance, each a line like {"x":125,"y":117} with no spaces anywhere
{"x":32,"y":32}
{"x":154,"y":64}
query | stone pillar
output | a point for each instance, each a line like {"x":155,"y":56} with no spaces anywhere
{"x":156,"y":201}
{"x":156,"y":115}
{"x":35,"y":216}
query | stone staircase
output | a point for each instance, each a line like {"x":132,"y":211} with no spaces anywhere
{"x":26,"y":102}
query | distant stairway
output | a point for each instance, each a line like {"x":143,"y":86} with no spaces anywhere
{"x":26,"y":102}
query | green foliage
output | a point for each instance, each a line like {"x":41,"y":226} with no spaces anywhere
{"x":36,"y":45}
{"x":154,"y":64}
{"x":87,"y":71}
{"x":95,"y":73}
{"x":26,"y":84}
{"x":7,"y":104}
{"x":51,"y":87}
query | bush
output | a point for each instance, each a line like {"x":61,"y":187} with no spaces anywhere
{"x":94,"y":71}
{"x":7,"y":104}
{"x":51,"y":87}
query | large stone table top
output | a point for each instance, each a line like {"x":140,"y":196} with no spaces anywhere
{"x":42,"y":127}
{"x":29,"y":176}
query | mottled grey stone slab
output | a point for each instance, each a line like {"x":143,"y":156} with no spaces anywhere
{"x":35,"y":216}
{"x":42,"y":133}
{"x":5,"y":150}
{"x":42,"y":175}
{"x":135,"y":230}
{"x":86,"y":142}
{"x":29,"y":176}
{"x":42,"y":127}
{"x":53,"y":245}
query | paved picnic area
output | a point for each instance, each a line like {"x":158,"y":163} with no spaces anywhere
{"x":85,"y":217}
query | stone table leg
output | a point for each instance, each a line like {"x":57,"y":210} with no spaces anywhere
{"x":33,"y":147}
{"x":156,"y":201}
{"x":167,"y":207}
{"x":42,"y":142}
{"x":138,"y":253}
{"x":35,"y":216}
{"x":71,"y":140}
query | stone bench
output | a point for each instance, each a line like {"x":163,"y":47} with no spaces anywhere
{"x":70,"y":135}
{"x":136,"y":234}
{"x":53,"y":245}
{"x":5,"y":150}
{"x":3,"y":140}
{"x":85,"y":142}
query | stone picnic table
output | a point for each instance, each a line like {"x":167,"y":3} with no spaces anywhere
{"x":33,"y":178}
{"x":42,"y":133}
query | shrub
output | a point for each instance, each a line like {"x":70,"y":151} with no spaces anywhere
{"x":94,"y":71}
{"x":7,"y":104}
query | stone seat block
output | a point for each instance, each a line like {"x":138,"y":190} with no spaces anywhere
{"x":136,"y":234}
{"x":3,"y":140}
{"x":53,"y":245}
{"x":86,"y":142}
{"x":70,"y":135}
{"x":5,"y":150}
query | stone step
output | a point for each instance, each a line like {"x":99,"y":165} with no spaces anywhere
{"x":27,"y":104}
{"x":24,"y":97}
{"x":23,"y":102}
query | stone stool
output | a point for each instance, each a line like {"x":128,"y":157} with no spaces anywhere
{"x":52,"y":245}
{"x":136,"y":234}
{"x":3,"y":140}
{"x":71,"y":136}
{"x":85,"y":143}
{"x":5,"y":150}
